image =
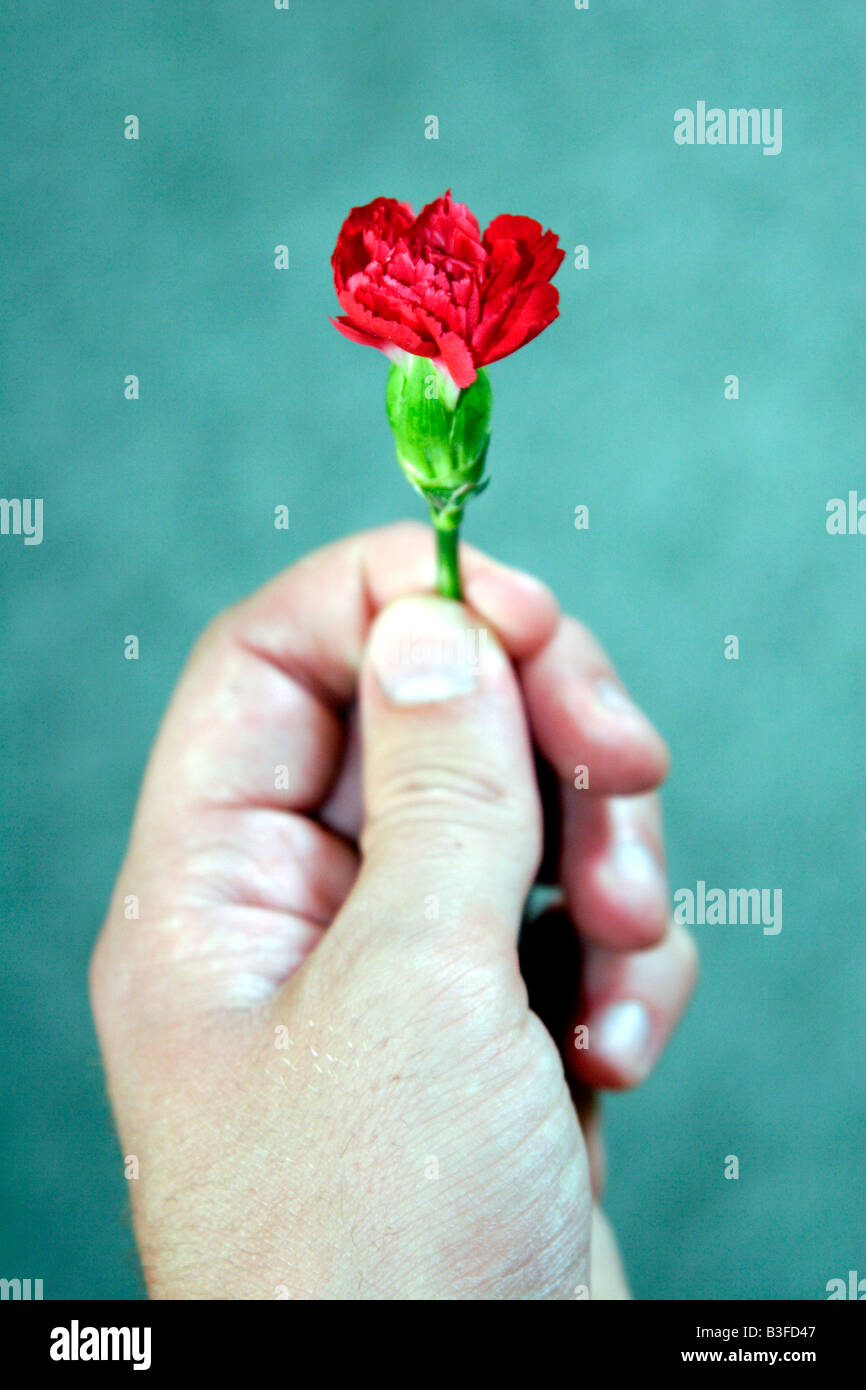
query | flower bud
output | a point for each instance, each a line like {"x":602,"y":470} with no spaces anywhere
{"x":441,"y":433}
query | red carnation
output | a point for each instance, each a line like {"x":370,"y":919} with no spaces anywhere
{"x":433,"y":286}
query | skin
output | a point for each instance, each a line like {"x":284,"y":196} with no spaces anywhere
{"x":318,"y":1041}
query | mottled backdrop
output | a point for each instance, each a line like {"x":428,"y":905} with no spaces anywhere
{"x":260,"y":127}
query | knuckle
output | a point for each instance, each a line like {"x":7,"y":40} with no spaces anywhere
{"x":451,"y":789}
{"x":455,"y":807}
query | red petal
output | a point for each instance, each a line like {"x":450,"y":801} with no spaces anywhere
{"x":368,"y":234}
{"x":457,"y":358}
{"x":389,"y":330}
{"x":447,"y":234}
{"x":530,"y":312}
{"x":539,"y":252}
{"x":349,"y":330}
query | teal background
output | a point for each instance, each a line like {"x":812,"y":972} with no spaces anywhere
{"x":707,"y":516}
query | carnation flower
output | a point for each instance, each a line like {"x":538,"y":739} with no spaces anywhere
{"x":443,"y":301}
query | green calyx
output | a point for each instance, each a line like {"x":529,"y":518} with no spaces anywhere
{"x":441,"y":442}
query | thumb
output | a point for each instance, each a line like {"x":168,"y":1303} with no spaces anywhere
{"x":452,"y":819}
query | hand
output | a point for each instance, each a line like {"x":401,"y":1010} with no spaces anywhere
{"x":324,"y":1064}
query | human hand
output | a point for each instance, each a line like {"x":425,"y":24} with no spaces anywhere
{"x":327,"y":1067}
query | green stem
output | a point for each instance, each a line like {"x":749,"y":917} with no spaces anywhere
{"x":447,"y":567}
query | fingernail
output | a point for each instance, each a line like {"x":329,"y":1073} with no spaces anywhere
{"x":425,"y":650}
{"x":621,"y":1035}
{"x":628,"y":718}
{"x":632,"y":863}
{"x":614,"y":697}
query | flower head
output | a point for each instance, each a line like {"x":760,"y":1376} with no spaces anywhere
{"x":434,"y":287}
